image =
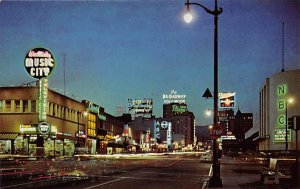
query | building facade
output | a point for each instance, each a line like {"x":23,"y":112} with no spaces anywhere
{"x":37,"y":121}
{"x":275,"y":109}
{"x":183,"y":121}
{"x":22,"y":130}
{"x":243,"y":122}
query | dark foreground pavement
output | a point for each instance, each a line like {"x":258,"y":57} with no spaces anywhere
{"x":237,"y":173}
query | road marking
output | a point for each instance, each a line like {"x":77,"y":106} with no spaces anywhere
{"x":105,"y":183}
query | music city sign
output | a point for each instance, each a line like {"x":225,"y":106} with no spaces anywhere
{"x":39,"y":63}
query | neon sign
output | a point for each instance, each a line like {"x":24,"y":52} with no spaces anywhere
{"x":173,"y":97}
{"x":39,"y":63}
{"x":179,"y":108}
{"x":279,"y":135}
{"x":43,"y":101}
{"x":281,"y":105}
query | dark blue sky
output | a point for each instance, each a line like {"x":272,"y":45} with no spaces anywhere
{"x":115,"y":50}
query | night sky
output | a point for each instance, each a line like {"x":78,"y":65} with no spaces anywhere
{"x":115,"y":50}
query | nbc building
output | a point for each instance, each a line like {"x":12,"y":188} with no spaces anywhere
{"x":279,"y":100}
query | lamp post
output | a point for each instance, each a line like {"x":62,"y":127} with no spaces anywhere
{"x":287,"y":101}
{"x":215,"y":180}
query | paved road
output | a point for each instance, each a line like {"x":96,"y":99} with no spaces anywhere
{"x":169,"y":171}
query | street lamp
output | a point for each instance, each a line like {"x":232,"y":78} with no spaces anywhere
{"x":208,"y":112}
{"x":215,"y":180}
{"x":287,"y":101}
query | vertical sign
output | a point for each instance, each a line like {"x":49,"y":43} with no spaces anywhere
{"x":43,"y":92}
{"x":279,"y":132}
{"x":169,"y":134}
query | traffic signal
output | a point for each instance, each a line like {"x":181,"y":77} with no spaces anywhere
{"x":291,"y":122}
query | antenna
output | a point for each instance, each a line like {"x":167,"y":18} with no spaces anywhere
{"x":64,"y":64}
{"x":282,"y":70}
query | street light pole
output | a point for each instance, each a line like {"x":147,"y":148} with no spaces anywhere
{"x":215,"y":180}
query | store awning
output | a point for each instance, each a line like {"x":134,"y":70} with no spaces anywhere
{"x":8,"y":136}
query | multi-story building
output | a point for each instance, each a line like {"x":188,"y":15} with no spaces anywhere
{"x":243,"y":122}
{"x":274,"y":110}
{"x":61,"y":128}
{"x":226,"y":120}
{"x":35,"y":120}
{"x":183,"y":121}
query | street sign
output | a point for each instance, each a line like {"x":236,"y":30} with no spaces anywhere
{"x":215,"y":132}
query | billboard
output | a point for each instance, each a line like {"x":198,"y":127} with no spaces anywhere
{"x":227,"y":100}
{"x":173,"y":97}
{"x":140,"y":107}
{"x":39,"y":63}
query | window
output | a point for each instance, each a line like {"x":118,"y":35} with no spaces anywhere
{"x":25,"y":106}
{"x":33,"y":106}
{"x":1,"y":106}
{"x":8,"y":106}
{"x":92,"y":125}
{"x":18,"y":106}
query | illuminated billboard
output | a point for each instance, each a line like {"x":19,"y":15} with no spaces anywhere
{"x":39,"y":63}
{"x":227,"y":100}
{"x":179,"y":108}
{"x":173,"y":97}
{"x":140,"y":107}
{"x":279,"y":135}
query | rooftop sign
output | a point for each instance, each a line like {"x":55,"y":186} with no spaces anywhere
{"x":39,"y":63}
{"x":173,"y":97}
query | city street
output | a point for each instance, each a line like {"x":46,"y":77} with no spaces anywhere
{"x":115,"y":171}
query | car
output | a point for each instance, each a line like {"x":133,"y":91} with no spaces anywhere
{"x":206,"y":157}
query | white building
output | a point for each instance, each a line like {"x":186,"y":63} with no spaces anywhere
{"x":274,"y":107}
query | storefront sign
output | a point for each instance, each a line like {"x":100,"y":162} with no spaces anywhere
{"x":93,"y":108}
{"x":279,"y":135}
{"x":27,"y":129}
{"x":102,"y":117}
{"x":39,"y":63}
{"x":44,"y":128}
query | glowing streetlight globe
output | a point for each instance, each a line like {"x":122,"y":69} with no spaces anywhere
{"x":188,"y":17}
{"x":290,"y":100}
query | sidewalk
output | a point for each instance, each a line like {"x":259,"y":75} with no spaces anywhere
{"x":236,"y":174}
